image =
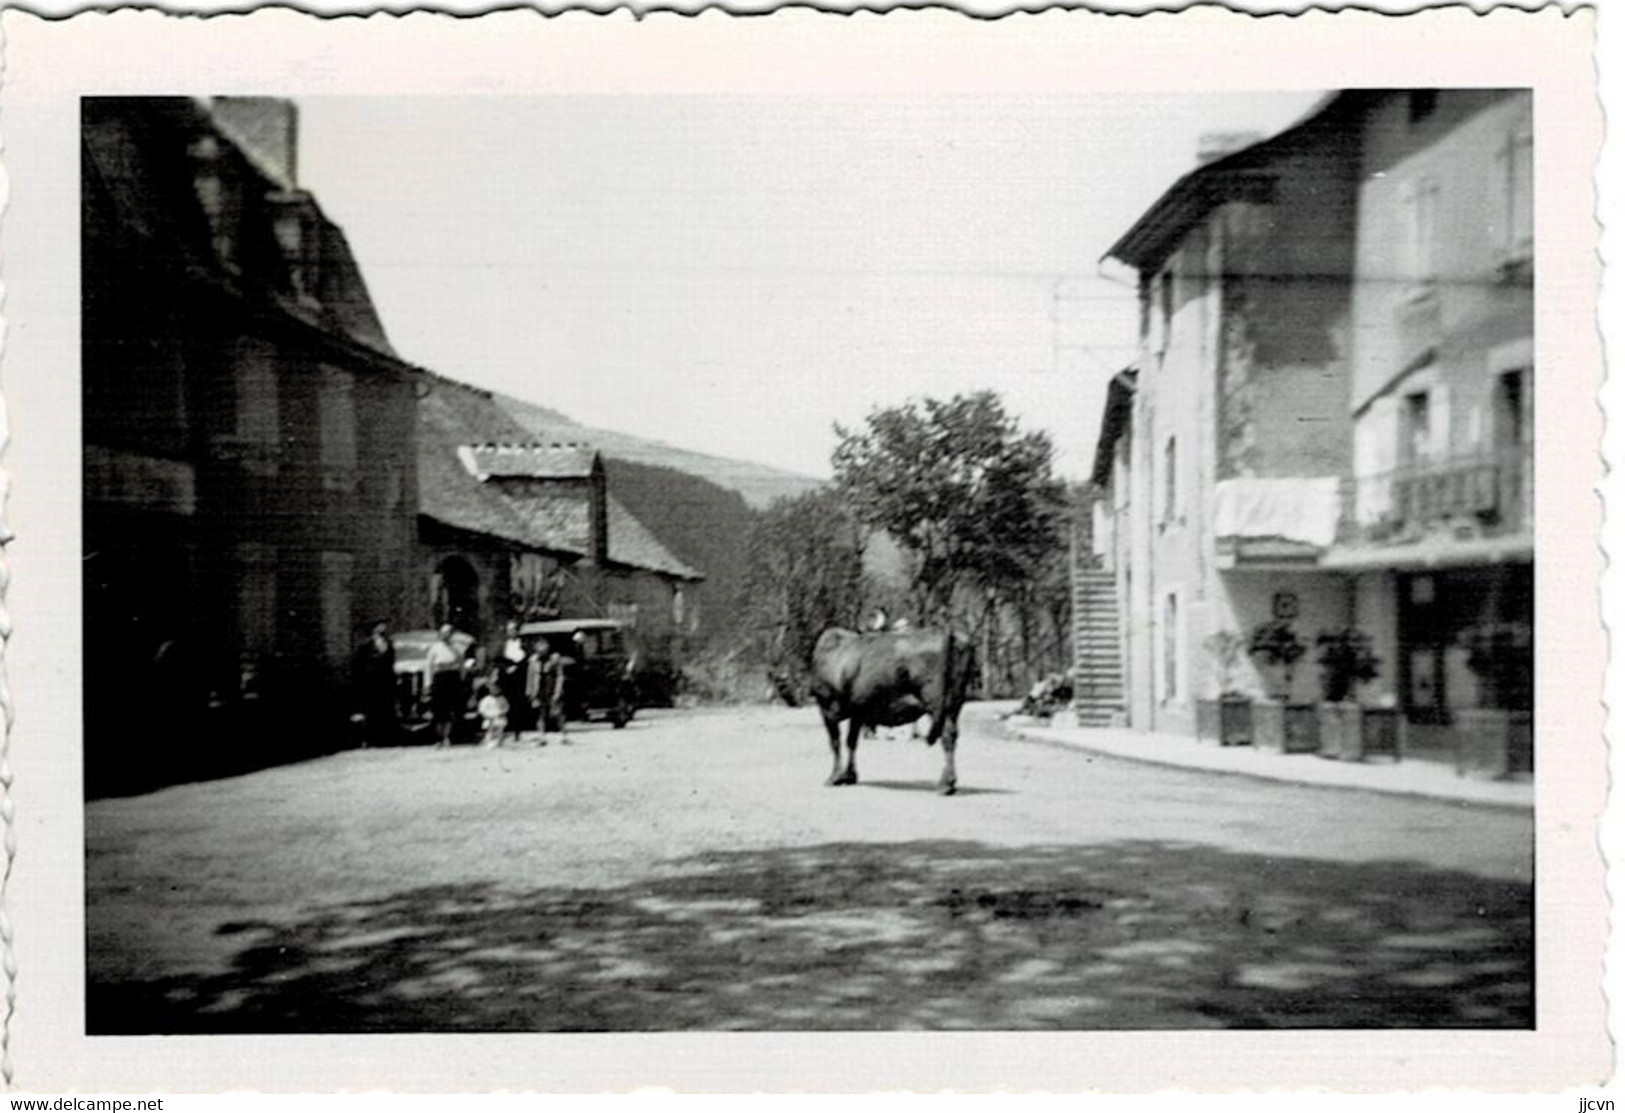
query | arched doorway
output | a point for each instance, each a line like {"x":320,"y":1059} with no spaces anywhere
{"x":457,"y":595}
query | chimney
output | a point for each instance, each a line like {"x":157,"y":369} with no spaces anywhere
{"x":267,"y":131}
{"x":1217,"y":144}
{"x":598,"y":513}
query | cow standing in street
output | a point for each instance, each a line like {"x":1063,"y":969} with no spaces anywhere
{"x":888,"y":679}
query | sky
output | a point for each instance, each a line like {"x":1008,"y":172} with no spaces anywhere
{"x":737,"y":275}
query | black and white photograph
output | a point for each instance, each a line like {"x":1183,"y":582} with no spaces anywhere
{"x":695,"y":561}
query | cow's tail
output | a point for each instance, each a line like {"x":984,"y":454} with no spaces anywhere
{"x":964,"y":668}
{"x":955,"y":659}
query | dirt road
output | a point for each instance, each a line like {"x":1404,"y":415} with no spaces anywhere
{"x":692,"y":872}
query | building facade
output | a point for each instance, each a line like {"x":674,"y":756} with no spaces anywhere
{"x":1438,"y":536}
{"x":1329,"y":422}
{"x":1221,"y":450}
{"x":250,"y":486}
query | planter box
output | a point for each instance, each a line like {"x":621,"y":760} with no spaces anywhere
{"x":1380,"y":732}
{"x":1340,"y":737}
{"x":1350,"y":732}
{"x":1288,"y":728}
{"x":1207,"y":720}
{"x":1229,"y":722}
{"x":1494,"y":743}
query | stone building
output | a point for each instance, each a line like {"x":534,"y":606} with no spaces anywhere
{"x":250,"y":484}
{"x":509,"y":528}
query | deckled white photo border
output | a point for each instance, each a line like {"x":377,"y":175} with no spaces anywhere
{"x":49,"y":65}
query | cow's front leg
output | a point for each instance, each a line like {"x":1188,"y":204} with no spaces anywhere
{"x":950,"y":738}
{"x":832,"y":726}
{"x":849,"y":775}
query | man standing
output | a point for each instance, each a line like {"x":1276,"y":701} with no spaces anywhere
{"x":446,"y":698}
{"x":544,"y":688}
{"x":511,"y":677}
{"x":374,"y":676}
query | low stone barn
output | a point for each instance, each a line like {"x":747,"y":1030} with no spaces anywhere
{"x":509,"y":528}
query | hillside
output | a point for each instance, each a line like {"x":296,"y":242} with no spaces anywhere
{"x":757,"y":484}
{"x":703,"y":524}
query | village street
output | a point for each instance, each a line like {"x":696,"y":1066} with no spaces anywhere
{"x":693,"y":872}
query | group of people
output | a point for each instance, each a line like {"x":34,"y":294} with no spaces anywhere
{"x":523,"y":688}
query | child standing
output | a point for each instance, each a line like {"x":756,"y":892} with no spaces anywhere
{"x":493,"y":709}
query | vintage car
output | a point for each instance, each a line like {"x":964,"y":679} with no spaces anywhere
{"x":603,"y":672}
{"x":412,"y":679}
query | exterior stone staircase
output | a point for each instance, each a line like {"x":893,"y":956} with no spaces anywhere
{"x":1097,"y":649}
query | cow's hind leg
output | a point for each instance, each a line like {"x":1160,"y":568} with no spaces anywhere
{"x":832,"y":726}
{"x":950,"y":739}
{"x":849,"y":775}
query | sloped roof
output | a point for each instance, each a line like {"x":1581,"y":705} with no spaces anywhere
{"x":456,"y":423}
{"x":450,"y":415}
{"x":1158,"y":230}
{"x":562,"y":511}
{"x":1114,"y":420}
{"x":529,"y":461}
{"x":632,"y":543}
{"x":136,"y":167}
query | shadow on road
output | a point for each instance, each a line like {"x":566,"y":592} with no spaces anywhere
{"x":931,"y":786}
{"x":930,"y":934}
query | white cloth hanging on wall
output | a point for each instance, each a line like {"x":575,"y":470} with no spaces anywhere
{"x":1293,"y":509}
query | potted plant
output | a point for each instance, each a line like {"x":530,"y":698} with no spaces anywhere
{"x":1346,"y":661}
{"x":1279,"y":723}
{"x":1228,"y":718}
{"x":1497,"y":736}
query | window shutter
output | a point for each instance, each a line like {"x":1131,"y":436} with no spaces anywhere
{"x":1439,"y":421}
{"x":1521,"y":186}
{"x":1408,"y":238}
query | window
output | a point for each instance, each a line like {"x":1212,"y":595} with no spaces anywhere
{"x":678,"y":611}
{"x":1170,"y":480}
{"x":257,"y":427}
{"x":299,"y":239}
{"x":218,"y":196}
{"x":1516,"y":182}
{"x":1418,"y":215}
{"x":1417,"y":443}
{"x":338,"y":573}
{"x":1421,"y":104}
{"x":256,"y":598}
{"x":1512,"y":419}
{"x":1170,"y":647}
{"x":336,"y":403}
{"x":1514,"y":435}
{"x":1165,"y":307}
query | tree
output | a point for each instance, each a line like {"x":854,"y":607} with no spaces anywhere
{"x":964,"y":491}
{"x":803,"y":574}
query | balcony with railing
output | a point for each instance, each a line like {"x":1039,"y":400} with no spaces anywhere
{"x":1481,"y":498}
